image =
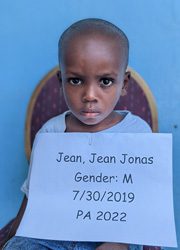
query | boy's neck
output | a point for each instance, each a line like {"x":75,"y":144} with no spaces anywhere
{"x":74,"y":125}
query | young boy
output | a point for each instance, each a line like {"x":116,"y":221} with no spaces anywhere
{"x":93,"y":57}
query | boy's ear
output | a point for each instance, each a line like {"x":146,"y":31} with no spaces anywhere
{"x":59,"y":76}
{"x":125,"y":83}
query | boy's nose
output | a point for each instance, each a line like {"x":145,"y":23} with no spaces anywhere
{"x":90,"y":94}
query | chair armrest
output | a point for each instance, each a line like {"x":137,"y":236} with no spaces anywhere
{"x":9,"y":230}
{"x":5,"y":232}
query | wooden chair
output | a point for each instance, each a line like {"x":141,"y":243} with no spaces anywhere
{"x":47,"y":101}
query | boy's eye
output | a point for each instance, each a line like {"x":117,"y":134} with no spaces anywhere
{"x":105,"y":82}
{"x":75,"y":81}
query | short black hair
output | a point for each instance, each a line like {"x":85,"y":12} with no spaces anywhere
{"x":94,"y":25}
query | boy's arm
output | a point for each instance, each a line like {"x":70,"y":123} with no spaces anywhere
{"x":112,"y":246}
{"x":13,"y":228}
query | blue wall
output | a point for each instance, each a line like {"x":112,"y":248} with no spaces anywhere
{"x":29,"y":31}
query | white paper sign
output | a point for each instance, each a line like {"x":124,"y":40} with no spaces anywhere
{"x":106,"y":187}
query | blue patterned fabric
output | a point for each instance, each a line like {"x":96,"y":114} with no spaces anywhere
{"x":24,"y":243}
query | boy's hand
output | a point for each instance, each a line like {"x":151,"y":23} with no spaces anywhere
{"x":112,"y":246}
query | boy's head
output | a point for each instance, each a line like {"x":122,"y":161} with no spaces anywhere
{"x":94,"y":26}
{"x":93,"y":57}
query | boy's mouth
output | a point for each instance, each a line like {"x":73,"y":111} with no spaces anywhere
{"x":90,"y":113}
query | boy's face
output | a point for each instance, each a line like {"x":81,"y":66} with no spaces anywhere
{"x":92,"y":73}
